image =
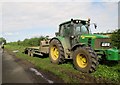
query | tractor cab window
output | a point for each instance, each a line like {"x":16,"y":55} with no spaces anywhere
{"x":61,"y":30}
{"x":81,"y":29}
{"x":84,"y":29}
{"x":65,"y":30}
{"x":77,"y":30}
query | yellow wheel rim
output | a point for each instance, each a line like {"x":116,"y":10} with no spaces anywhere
{"x":81,"y":60}
{"x":54,"y":52}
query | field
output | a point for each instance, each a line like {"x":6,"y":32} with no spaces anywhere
{"x":106,"y":73}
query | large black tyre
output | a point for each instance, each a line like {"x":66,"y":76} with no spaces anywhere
{"x":32,"y":53}
{"x":85,"y":59}
{"x":56,"y":52}
{"x":25,"y":51}
{"x":93,"y":53}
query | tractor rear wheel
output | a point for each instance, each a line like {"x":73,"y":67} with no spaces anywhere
{"x":85,"y":60}
{"x":56,"y":52}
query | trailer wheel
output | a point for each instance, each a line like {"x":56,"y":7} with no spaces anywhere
{"x":25,"y":51}
{"x":85,"y":60}
{"x":56,"y":52}
{"x":32,"y":53}
{"x":29,"y":52}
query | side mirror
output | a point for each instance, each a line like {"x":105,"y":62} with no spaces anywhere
{"x":95,"y":25}
{"x":56,"y":33}
{"x":47,"y":36}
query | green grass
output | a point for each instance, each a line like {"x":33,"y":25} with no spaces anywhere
{"x":108,"y":72}
{"x":65,"y":71}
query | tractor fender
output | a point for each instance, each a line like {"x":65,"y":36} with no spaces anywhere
{"x":77,"y":45}
{"x":64,"y":44}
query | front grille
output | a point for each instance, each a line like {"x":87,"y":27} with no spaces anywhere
{"x":98,"y":42}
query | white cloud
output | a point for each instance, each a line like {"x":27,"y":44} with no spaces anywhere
{"x":59,"y":0}
{"x":45,"y":0}
{"x":42,"y":34}
{"x":109,"y":0}
{"x":27,"y":15}
{"x":10,"y":33}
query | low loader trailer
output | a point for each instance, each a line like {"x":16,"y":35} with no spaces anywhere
{"x":41,"y":50}
{"x":75,"y":41}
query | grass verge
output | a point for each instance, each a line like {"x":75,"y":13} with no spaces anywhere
{"x":67,"y":72}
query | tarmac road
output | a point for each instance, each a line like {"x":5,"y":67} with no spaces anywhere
{"x":13,"y":72}
{"x":0,"y":65}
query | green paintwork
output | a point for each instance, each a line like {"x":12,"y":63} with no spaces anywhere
{"x":112,"y":54}
{"x":84,"y":38}
{"x":64,"y":43}
{"x":71,"y":35}
{"x":94,"y":36}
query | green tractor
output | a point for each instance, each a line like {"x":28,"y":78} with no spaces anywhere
{"x":75,"y":41}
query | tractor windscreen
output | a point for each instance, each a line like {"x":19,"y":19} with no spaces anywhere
{"x":84,"y":29}
{"x":81,"y":29}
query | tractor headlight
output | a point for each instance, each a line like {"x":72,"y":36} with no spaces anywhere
{"x":105,"y":44}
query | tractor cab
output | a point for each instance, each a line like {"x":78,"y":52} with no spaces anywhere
{"x":74,"y":27}
{"x":72,"y":30}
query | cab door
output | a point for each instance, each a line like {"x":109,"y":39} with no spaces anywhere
{"x":76,"y":34}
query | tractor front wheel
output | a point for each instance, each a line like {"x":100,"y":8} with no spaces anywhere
{"x":85,"y":60}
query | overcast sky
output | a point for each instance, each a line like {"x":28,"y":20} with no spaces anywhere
{"x":20,"y":20}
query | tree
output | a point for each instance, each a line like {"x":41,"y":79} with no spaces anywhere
{"x":32,"y":41}
{"x":2,"y":40}
{"x":18,"y":42}
{"x":115,"y":38}
{"x":29,"y":42}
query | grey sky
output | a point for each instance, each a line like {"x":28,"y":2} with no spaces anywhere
{"x":23,"y":18}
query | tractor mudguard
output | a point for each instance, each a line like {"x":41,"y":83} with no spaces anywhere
{"x":64,"y":43}
{"x":112,"y":54}
{"x":77,"y":45}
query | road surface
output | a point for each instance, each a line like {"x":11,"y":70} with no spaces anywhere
{"x":17,"y":71}
{"x":0,"y":65}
